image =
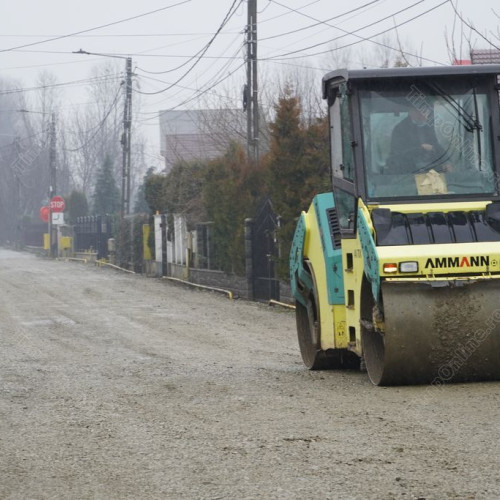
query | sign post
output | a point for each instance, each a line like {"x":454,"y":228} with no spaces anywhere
{"x":56,"y":206}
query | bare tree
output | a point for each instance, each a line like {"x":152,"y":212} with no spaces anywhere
{"x":95,"y":131}
{"x":23,"y":162}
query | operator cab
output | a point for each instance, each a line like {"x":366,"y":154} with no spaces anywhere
{"x":414,"y":134}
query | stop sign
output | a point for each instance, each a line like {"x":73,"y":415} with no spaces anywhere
{"x":57,"y":204}
{"x":44,"y":214}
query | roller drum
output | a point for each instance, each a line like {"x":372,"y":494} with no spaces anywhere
{"x":436,"y":332}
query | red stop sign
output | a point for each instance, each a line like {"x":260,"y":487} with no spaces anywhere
{"x":44,"y":214}
{"x":57,"y":204}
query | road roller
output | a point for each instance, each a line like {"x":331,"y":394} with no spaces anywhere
{"x":397,"y":269}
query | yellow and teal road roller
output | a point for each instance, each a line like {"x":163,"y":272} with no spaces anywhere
{"x":398,"y":267}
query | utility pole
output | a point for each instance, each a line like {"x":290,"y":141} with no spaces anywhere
{"x":127,"y":126}
{"x":53,"y":177}
{"x":52,"y":155}
{"x":252,"y":82}
{"x":127,"y":129}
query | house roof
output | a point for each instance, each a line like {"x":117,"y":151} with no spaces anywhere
{"x":485,"y":56}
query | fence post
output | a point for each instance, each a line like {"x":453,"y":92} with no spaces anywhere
{"x":249,"y":257}
{"x":164,"y":264}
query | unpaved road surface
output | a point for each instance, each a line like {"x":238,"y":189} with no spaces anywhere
{"x":119,"y":386}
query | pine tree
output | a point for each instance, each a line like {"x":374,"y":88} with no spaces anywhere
{"x":76,"y":206}
{"x":141,"y":205}
{"x":298,"y":166}
{"x":106,"y":199}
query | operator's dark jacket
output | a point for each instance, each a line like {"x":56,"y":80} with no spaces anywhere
{"x":407,"y":155}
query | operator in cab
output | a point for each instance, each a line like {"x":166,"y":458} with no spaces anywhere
{"x":415,"y":148}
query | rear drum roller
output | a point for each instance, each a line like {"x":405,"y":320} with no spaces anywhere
{"x":308,"y":330}
{"x":373,"y":344}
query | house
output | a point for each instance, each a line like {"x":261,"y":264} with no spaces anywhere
{"x":190,"y":135}
{"x":485,"y":56}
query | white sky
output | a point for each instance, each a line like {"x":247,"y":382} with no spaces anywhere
{"x":164,"y":40}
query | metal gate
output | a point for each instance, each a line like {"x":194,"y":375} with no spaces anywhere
{"x":92,"y":233}
{"x":264,"y":254}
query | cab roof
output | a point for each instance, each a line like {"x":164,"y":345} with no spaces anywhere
{"x":337,"y":77}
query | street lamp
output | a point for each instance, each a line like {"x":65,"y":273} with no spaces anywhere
{"x":127,"y":129}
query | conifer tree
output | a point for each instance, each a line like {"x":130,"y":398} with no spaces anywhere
{"x":141,"y":205}
{"x":106,"y":197}
{"x":76,"y":206}
{"x":297,"y":165}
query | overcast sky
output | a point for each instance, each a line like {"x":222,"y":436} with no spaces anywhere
{"x":291,"y":33}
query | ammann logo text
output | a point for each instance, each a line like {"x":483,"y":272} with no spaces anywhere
{"x":442,"y":262}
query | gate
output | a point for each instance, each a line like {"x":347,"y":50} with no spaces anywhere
{"x":93,"y":232}
{"x":33,"y":234}
{"x":264,"y":253}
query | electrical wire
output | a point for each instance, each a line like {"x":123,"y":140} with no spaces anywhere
{"x":22,"y":139}
{"x":347,"y":33}
{"x":220,"y":57}
{"x":221,"y":70}
{"x":128,"y":35}
{"x":177,"y":67}
{"x":226,"y":67}
{"x":287,"y":13}
{"x":361,"y":39}
{"x":55,"y":85}
{"x":98,"y":127}
{"x":95,"y":28}
{"x":201,"y":53}
{"x":319,"y":22}
{"x":197,"y":95}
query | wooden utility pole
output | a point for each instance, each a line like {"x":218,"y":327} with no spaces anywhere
{"x":127,"y":129}
{"x":52,"y":155}
{"x":252,"y":82}
{"x":53,"y":180}
{"x":126,"y":137}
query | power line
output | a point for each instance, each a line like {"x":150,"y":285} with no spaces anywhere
{"x":222,"y":56}
{"x":206,"y":87}
{"x":220,"y":71}
{"x":55,"y":85}
{"x":201,"y":53}
{"x":118,"y":35}
{"x":95,"y":28}
{"x":287,"y":13}
{"x":198,"y":94}
{"x":122,"y":55}
{"x":98,"y":127}
{"x":361,"y":39}
{"x":319,"y":22}
{"x":347,"y":33}
{"x":184,"y":63}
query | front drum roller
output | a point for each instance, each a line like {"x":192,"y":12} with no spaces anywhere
{"x":436,"y":332}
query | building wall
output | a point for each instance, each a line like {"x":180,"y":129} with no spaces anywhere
{"x":191,"y":135}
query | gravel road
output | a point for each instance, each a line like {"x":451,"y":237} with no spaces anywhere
{"x":118,"y":386}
